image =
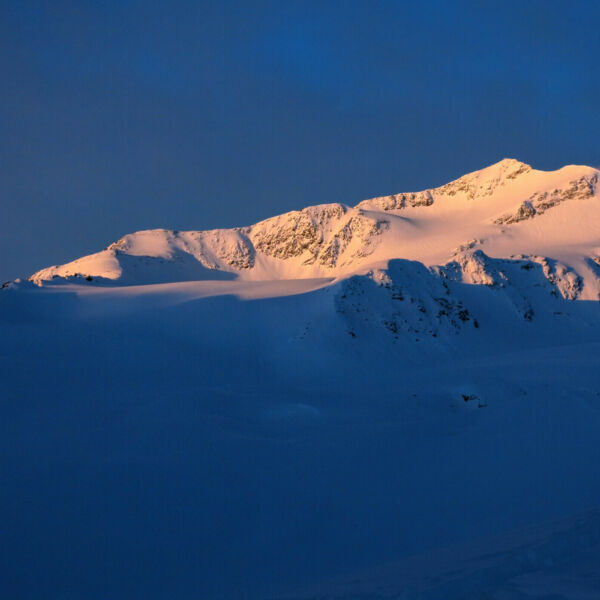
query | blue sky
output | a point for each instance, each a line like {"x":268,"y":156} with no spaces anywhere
{"x":128,"y":115}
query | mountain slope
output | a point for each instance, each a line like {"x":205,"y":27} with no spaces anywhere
{"x":505,"y":206}
{"x":530,"y":238}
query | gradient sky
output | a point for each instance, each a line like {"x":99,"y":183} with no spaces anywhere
{"x":117,"y":116}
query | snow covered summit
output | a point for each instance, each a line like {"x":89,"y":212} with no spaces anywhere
{"x":505,"y":209}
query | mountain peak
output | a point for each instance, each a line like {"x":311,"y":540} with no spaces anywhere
{"x":507,"y":168}
{"x":335,"y":240}
{"x":510,"y":162}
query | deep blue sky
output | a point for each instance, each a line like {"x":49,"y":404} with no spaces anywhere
{"x":123,"y":115}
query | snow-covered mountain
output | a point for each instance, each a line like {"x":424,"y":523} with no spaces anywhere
{"x":503,"y":210}
{"x":398,"y":399}
{"x":527,"y":239}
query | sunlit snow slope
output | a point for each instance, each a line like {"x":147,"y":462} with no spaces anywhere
{"x":505,"y":209}
{"x":495,"y":248}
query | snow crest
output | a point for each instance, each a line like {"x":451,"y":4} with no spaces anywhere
{"x":336,"y":240}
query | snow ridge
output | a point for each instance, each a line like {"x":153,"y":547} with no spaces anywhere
{"x":506,"y":206}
